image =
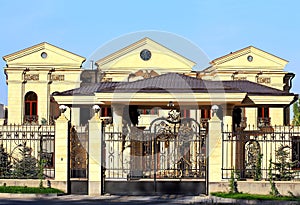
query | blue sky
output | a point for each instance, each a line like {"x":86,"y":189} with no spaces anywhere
{"x":216,"y":26}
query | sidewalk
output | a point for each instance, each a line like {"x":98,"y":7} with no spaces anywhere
{"x":144,"y":200}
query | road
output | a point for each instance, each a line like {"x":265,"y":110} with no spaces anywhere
{"x":109,"y":200}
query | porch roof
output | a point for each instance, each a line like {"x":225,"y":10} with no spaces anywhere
{"x":178,"y":83}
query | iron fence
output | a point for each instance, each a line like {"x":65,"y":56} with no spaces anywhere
{"x":78,"y":152}
{"x":27,"y":151}
{"x":258,"y":153}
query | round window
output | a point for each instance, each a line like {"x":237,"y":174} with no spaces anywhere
{"x":145,"y":54}
{"x":250,"y":58}
{"x":44,"y":55}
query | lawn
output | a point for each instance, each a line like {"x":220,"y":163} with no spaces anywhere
{"x":28,"y":190}
{"x":254,"y":196}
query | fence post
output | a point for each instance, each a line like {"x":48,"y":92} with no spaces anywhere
{"x":62,"y":151}
{"x":214,"y":151}
{"x":95,"y":151}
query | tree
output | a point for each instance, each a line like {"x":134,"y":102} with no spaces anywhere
{"x":296,"y":119}
{"x":26,"y":167}
{"x":5,"y":164}
{"x":283,"y":165}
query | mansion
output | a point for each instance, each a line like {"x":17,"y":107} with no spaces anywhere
{"x":252,"y":84}
{"x":144,"y":121}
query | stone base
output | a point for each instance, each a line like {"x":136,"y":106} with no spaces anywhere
{"x":94,"y":188}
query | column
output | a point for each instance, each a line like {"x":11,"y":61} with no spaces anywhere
{"x":61,"y":151}
{"x":117,"y":113}
{"x":251,"y":114}
{"x":95,"y":152}
{"x":227,"y":117}
{"x":214,"y":151}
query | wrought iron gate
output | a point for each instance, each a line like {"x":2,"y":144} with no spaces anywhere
{"x":78,"y":160}
{"x":169,"y":157}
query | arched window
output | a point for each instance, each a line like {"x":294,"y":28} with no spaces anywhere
{"x":31,"y":107}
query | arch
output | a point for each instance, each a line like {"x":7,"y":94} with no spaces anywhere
{"x":31,"y":107}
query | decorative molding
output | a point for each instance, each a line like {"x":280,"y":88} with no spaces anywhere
{"x":58,"y":77}
{"x":34,"y":77}
{"x":239,"y":78}
{"x":265,"y":80}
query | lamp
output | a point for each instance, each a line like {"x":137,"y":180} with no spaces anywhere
{"x":63,"y":108}
{"x":214,"y":109}
{"x":96,"y":108}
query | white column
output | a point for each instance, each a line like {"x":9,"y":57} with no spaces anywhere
{"x":214,"y":151}
{"x":61,"y":150}
{"x":251,"y":114}
{"x":227,"y":117}
{"x":117,"y":113}
{"x":95,"y":164}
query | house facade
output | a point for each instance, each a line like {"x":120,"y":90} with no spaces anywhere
{"x":154,"y":123}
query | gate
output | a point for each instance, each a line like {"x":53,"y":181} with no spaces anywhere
{"x":169,"y":157}
{"x":78,"y":160}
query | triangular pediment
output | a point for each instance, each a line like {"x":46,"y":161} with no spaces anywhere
{"x":44,"y":55}
{"x":249,"y":58}
{"x":129,"y":59}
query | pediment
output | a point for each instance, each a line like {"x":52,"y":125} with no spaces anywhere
{"x":129,"y":59}
{"x":44,"y":55}
{"x":250,"y":58}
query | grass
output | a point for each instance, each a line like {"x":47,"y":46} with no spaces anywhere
{"x":254,"y":196}
{"x":28,"y":190}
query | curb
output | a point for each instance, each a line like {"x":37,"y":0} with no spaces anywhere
{"x":216,"y":199}
{"x":24,"y":195}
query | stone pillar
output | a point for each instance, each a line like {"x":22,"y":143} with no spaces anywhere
{"x":214,"y":151}
{"x":95,"y":151}
{"x":61,"y":151}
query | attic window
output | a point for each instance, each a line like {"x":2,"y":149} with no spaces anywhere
{"x":145,"y":54}
{"x":44,"y":55}
{"x":250,"y":58}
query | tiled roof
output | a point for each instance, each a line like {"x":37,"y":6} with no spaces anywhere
{"x":87,"y":89}
{"x":174,"y":82}
{"x":254,"y":88}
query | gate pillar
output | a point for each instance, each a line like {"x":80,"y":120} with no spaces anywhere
{"x":94,"y":156}
{"x":214,"y":151}
{"x":62,"y":151}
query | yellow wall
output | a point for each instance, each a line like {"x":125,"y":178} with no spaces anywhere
{"x":63,"y":66}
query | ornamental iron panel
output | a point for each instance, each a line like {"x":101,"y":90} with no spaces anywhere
{"x":79,"y":152}
{"x":171,"y":148}
{"x":26,"y":152}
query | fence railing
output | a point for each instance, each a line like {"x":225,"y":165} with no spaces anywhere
{"x":248,"y":152}
{"x":27,"y":151}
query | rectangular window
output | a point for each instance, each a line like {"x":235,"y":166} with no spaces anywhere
{"x":205,"y":113}
{"x":263,"y":112}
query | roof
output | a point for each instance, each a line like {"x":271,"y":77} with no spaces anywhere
{"x":34,"y":48}
{"x":174,"y":82}
{"x":134,"y":46}
{"x":241,"y":52}
{"x":87,"y":89}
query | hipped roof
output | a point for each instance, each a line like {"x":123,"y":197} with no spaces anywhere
{"x":174,"y":82}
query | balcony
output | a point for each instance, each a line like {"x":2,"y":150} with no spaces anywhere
{"x":263,"y":122}
{"x":31,"y":120}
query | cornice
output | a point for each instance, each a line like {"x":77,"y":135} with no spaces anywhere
{"x":134,"y":46}
{"x":244,"y":51}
